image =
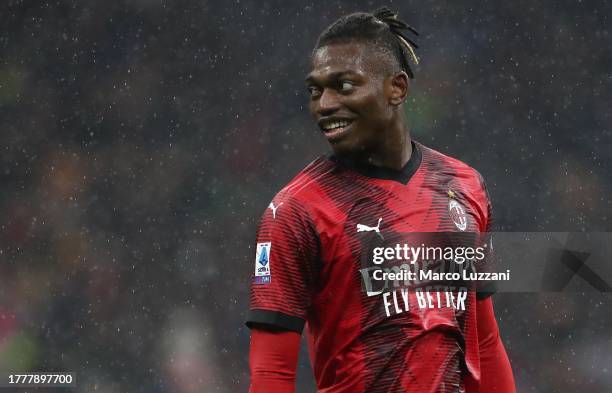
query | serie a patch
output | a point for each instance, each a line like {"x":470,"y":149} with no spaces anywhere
{"x":263,"y":272}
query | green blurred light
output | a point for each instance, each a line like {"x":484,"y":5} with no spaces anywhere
{"x":18,"y":353}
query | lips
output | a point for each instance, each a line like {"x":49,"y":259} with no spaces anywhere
{"x":334,"y":128}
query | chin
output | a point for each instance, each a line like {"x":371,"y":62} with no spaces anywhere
{"x":347,"y":148}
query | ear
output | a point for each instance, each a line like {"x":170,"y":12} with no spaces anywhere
{"x":399,"y":87}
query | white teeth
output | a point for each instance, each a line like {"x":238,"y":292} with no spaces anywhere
{"x":336,"y":124}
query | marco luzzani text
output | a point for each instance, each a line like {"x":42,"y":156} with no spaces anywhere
{"x":426,"y":277}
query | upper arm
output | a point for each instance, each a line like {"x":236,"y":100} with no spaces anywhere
{"x":483,"y":205}
{"x":284,"y":277}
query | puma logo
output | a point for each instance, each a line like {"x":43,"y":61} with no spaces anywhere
{"x":271,"y":206}
{"x":366,"y":228}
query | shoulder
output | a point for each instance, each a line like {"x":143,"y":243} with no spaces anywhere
{"x":442,"y":164}
{"x":303,"y":187}
{"x":441,"y":161}
{"x":296,"y":199}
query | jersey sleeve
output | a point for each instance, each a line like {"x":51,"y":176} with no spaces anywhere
{"x":486,"y":288}
{"x":285,"y":267}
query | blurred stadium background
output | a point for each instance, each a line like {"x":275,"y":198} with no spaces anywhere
{"x":141,"y":140}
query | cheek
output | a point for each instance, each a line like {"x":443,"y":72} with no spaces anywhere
{"x":312,"y":107}
{"x":373,"y":108}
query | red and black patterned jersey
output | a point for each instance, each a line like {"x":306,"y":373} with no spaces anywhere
{"x":314,"y":247}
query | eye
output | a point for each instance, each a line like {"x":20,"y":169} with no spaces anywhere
{"x":314,"y":91}
{"x":346,"y":86}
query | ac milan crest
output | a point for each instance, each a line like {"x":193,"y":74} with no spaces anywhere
{"x":457,"y":214}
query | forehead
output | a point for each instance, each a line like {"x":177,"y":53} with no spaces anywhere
{"x":352,"y":57}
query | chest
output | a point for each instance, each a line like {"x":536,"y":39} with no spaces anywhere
{"x":399,"y":209}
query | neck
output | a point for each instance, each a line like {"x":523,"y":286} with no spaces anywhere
{"x":393,"y":152}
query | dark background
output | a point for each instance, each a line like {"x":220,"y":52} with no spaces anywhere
{"x":141,"y":141}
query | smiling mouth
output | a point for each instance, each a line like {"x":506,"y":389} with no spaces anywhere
{"x":335,"y":128}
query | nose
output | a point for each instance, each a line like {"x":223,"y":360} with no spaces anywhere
{"x":327,"y":103}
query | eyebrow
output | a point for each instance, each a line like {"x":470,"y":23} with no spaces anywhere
{"x":333,"y":75}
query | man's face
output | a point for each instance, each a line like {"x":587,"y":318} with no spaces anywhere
{"x":348,"y":97}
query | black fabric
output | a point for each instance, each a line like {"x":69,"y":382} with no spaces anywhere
{"x":486,"y":290}
{"x":403,"y":175}
{"x":274,"y":319}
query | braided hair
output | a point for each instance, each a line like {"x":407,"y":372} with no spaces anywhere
{"x":381,"y":28}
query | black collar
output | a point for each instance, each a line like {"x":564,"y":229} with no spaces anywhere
{"x":403,"y":175}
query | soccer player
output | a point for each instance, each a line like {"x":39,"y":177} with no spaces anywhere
{"x":316,"y":236}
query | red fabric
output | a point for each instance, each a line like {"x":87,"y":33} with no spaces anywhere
{"x":273,"y":361}
{"x":495,"y":371}
{"x":312,"y":268}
